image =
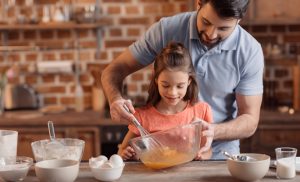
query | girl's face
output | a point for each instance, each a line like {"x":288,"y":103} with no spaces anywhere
{"x":172,"y":86}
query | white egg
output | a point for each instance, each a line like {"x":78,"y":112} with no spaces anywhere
{"x":106,"y":165}
{"x":116,"y":160}
{"x":102,"y":158}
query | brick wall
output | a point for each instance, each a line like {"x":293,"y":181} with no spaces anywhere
{"x":130,"y":19}
{"x":278,"y":72}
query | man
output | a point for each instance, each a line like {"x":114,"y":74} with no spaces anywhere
{"x":228,"y":62}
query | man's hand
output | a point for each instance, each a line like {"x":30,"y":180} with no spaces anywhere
{"x":118,"y":112}
{"x":208,"y":132}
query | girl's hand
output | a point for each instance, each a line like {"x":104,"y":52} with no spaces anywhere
{"x":128,"y":153}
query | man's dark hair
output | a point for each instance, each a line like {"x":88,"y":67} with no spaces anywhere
{"x":228,"y":8}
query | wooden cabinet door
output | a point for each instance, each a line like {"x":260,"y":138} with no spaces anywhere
{"x":91,"y":137}
{"x":28,"y":135}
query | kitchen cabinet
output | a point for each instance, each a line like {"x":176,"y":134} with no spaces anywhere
{"x":89,"y":126}
{"x":275,"y":11}
{"x":274,"y":130}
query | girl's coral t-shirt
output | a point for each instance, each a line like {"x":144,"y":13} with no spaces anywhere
{"x":153,"y":121}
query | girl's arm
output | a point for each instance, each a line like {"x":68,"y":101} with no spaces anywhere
{"x":125,"y":151}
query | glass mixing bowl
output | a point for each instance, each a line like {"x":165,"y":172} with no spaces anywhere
{"x":71,"y":148}
{"x":170,"y":147}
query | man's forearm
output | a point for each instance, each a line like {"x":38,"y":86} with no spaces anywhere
{"x":242,"y":127}
{"x":112,"y":82}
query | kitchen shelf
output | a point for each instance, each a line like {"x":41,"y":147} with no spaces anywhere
{"x":56,"y":25}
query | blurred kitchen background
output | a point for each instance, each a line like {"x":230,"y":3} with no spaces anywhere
{"x":56,"y":50}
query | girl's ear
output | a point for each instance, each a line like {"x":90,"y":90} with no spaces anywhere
{"x":190,"y":80}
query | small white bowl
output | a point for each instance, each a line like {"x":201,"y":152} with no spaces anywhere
{"x":249,"y":170}
{"x":107,"y":174}
{"x":15,"y":168}
{"x":64,"y":170}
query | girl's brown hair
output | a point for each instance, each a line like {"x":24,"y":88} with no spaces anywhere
{"x":174,"y":57}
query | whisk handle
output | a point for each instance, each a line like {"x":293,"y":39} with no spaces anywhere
{"x":135,"y":121}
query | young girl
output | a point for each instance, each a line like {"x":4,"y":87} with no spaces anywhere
{"x":173,"y":98}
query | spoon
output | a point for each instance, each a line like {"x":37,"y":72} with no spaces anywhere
{"x":238,"y":157}
{"x":53,"y":148}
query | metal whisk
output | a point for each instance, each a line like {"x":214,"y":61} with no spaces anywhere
{"x":150,"y":143}
{"x":141,"y":129}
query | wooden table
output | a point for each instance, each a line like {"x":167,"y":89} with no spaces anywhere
{"x":200,"y":171}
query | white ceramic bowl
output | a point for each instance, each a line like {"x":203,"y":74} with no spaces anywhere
{"x":71,"y":148}
{"x":249,"y":170}
{"x":107,"y":174}
{"x":15,"y":168}
{"x":64,"y":170}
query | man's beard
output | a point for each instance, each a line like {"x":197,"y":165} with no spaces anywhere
{"x":208,"y":44}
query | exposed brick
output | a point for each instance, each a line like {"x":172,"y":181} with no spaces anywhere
{"x":118,"y":43}
{"x":114,"y":10}
{"x":133,"y":32}
{"x":31,"y":57}
{"x":85,"y":56}
{"x":31,"y":79}
{"x":88,"y":44}
{"x":67,"y":100}
{"x":116,"y":1}
{"x":184,"y":7}
{"x":50,"y":100}
{"x":132,"y":87}
{"x":64,"y":78}
{"x":151,"y":9}
{"x":14,"y":58}
{"x":67,"y":56}
{"x":115,"y":32}
{"x":134,"y":21}
{"x":168,"y":8}
{"x":48,"y":78}
{"x":51,"y":89}
{"x":48,"y":56}
{"x":137,"y":76}
{"x":132,"y":10}
{"x":145,"y":87}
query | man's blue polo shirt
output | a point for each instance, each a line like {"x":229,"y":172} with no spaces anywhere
{"x":233,"y":66}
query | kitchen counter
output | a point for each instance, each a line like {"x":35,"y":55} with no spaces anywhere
{"x":90,"y":126}
{"x":201,"y":171}
{"x":274,"y":130}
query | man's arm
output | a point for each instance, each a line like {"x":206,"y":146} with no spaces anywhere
{"x":112,"y":80}
{"x":246,"y":122}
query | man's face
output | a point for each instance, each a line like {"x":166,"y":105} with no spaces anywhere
{"x":213,"y":29}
